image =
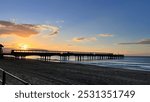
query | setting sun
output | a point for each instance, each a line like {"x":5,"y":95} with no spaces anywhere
{"x":23,"y":46}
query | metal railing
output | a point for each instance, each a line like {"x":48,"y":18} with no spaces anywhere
{"x":3,"y":80}
{"x":52,"y":51}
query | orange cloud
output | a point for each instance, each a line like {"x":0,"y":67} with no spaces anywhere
{"x":105,"y":35}
{"x":84,"y":39}
{"x":25,"y":30}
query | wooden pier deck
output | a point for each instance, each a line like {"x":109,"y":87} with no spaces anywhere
{"x":65,"y":55}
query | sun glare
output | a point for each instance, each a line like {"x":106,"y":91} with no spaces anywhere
{"x":23,"y":46}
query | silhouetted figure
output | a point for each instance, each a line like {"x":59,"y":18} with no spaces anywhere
{"x":1,"y":51}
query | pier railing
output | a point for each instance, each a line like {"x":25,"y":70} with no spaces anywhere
{"x":4,"y":79}
{"x":52,"y":51}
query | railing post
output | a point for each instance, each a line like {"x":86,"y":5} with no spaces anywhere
{"x":3,"y":78}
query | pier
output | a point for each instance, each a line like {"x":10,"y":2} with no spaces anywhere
{"x":65,"y":55}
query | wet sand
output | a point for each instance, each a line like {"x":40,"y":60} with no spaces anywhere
{"x":55,"y":73}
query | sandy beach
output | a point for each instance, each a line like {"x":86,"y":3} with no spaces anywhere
{"x":55,"y":73}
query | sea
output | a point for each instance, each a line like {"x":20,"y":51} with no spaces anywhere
{"x":128,"y":62}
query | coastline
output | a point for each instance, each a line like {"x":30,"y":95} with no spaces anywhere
{"x":59,"y":73}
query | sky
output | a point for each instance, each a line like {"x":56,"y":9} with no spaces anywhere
{"x":116,"y":26}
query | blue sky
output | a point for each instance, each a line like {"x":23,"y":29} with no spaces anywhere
{"x":125,"y":22}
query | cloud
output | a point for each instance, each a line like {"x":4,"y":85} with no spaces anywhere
{"x":105,"y":35}
{"x":26,"y":30}
{"x":52,"y":30}
{"x":144,"y":41}
{"x":84,"y":39}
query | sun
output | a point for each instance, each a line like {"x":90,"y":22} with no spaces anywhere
{"x":23,"y":46}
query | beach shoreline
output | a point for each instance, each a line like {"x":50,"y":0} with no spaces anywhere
{"x":59,"y":73}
